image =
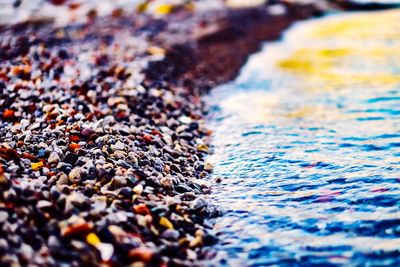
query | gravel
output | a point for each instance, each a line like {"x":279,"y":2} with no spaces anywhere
{"x":96,"y":160}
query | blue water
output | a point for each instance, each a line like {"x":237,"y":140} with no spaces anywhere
{"x":307,"y":142}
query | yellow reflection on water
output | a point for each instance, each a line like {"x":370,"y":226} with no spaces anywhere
{"x":361,"y":26}
{"x":339,"y":53}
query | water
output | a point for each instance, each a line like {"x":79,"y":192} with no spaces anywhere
{"x":307,"y":141}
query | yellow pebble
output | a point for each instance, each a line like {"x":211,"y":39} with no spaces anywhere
{"x":166,"y":223}
{"x":203,"y":147}
{"x":37,"y":165}
{"x":154,"y":50}
{"x":190,"y":6}
{"x":164,"y":9}
{"x":195,"y":242}
{"x":93,"y":239}
{"x":142,"y":7}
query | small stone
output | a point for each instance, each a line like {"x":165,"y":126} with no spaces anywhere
{"x":8,"y":114}
{"x":87,"y":132}
{"x":106,"y":251}
{"x":141,"y":209}
{"x":148,"y":138}
{"x":53,"y":241}
{"x":42,"y":204}
{"x":141,"y":254}
{"x":218,"y":179}
{"x":77,"y":174}
{"x":170,"y":234}
{"x":182,"y":188}
{"x":195,"y":242}
{"x":113,"y":101}
{"x":3,"y":216}
{"x":41,"y":153}
{"x":53,"y":158}
{"x":198,"y":203}
{"x":63,"y":180}
{"x":155,"y":50}
{"x":185,"y":119}
{"x":74,"y":225}
{"x":76,"y":198}
{"x":37,"y":165}
{"x":119,"y":146}
{"x":4,"y":178}
{"x":93,"y":239}
{"x":138,"y":189}
{"x":119,"y":181}
{"x":208,"y":166}
{"x":175,"y":168}
{"x":166,"y":223}
{"x":166,"y":182}
{"x":74,"y":146}
{"x":203,"y":147}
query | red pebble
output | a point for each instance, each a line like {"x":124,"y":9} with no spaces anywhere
{"x":9,"y":153}
{"x":58,"y":2}
{"x":74,"y":146}
{"x":29,"y":156}
{"x":148,"y":138}
{"x":77,"y":229}
{"x":141,"y":254}
{"x":155,"y":132}
{"x":8,"y":114}
{"x":141,"y":209}
{"x":74,"y":138}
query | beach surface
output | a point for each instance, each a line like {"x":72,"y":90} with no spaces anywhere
{"x":103,"y":144}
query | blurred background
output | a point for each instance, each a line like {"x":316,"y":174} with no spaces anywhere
{"x":67,"y":11}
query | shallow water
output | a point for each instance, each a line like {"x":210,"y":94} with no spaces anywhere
{"x":307,"y":141}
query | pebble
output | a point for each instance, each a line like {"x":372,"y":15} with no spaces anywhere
{"x":170,"y":234}
{"x":3,"y":216}
{"x":166,"y":182}
{"x":218,"y":179}
{"x":119,"y":181}
{"x":8,"y":114}
{"x":63,"y":179}
{"x":198,"y":203}
{"x":87,"y":132}
{"x":166,"y":223}
{"x":53,"y":158}
{"x":208,"y":166}
{"x":119,"y":146}
{"x":138,"y":189}
{"x":141,"y":254}
{"x":42,"y":204}
{"x":77,"y":174}
{"x":37,"y":165}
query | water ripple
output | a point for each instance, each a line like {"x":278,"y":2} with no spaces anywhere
{"x":307,"y":141}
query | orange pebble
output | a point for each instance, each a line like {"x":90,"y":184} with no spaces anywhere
{"x":74,"y":146}
{"x":141,"y":254}
{"x":148,"y":138}
{"x":8,"y":114}
{"x":141,"y":209}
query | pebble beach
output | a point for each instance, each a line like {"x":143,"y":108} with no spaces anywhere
{"x":103,"y":143}
{"x":98,"y":165}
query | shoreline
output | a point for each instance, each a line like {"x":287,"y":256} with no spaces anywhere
{"x":108,"y":162}
{"x":103,"y":144}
